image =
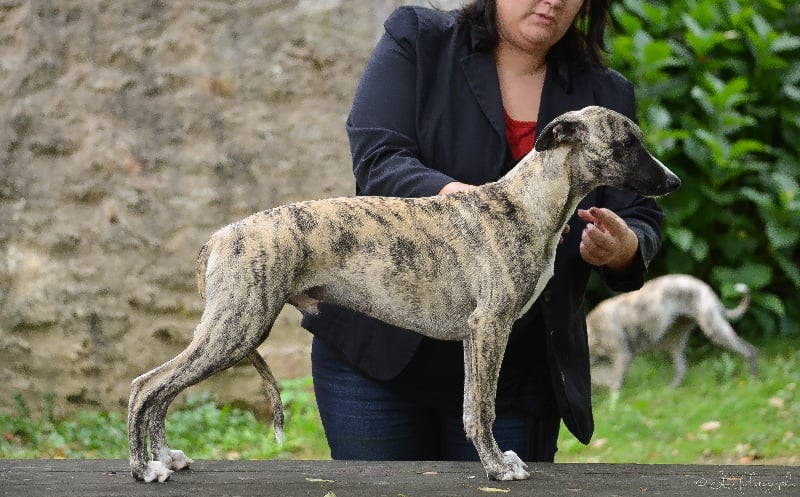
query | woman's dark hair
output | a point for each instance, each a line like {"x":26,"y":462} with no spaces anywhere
{"x":583,"y":41}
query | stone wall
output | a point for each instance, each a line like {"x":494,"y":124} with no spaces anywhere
{"x":132,"y":129}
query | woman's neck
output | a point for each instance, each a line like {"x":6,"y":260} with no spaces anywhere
{"x":519,"y":63}
{"x":521,"y":75}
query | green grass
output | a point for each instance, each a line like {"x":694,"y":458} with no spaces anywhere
{"x":719,"y":415}
{"x":201,"y":428}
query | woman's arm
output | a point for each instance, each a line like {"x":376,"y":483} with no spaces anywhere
{"x":382,"y":125}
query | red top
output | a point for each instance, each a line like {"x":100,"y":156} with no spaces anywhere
{"x":520,"y":135}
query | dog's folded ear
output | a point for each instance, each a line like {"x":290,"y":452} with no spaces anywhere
{"x":567,"y":128}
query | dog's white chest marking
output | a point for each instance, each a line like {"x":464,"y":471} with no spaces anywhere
{"x":548,"y":269}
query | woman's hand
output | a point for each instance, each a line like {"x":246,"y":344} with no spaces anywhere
{"x":455,"y":186}
{"x":607,"y":240}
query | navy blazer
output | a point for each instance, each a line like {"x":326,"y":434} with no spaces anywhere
{"x":428,"y":111}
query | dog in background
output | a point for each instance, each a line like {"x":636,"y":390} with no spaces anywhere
{"x":661,"y":315}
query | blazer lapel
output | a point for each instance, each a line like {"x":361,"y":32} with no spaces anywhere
{"x":564,"y":90}
{"x":481,"y":74}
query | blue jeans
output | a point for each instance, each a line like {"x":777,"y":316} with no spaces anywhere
{"x":365,"y":419}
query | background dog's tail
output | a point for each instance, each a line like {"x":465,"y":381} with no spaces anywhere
{"x":739,"y":310}
{"x":272,"y":392}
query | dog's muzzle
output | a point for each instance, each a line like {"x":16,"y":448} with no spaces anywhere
{"x":653,"y":178}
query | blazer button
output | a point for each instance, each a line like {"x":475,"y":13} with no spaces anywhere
{"x":547,"y":296}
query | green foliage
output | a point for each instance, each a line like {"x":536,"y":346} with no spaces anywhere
{"x":87,"y":435}
{"x":207,"y":431}
{"x":718,"y":88}
{"x":201,"y":428}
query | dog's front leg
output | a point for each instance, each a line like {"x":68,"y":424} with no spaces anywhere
{"x":483,"y":355}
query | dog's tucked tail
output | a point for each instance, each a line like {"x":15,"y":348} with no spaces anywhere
{"x":739,"y":310}
{"x":272,"y":392}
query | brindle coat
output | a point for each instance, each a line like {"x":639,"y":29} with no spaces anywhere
{"x":463,"y":267}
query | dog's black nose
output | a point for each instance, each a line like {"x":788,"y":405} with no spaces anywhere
{"x":673,"y":183}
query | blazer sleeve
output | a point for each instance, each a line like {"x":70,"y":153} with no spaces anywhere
{"x":381,"y":126}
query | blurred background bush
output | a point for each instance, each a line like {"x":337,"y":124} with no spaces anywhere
{"x":718,"y":87}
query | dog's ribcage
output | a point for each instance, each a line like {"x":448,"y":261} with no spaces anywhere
{"x":417,"y":263}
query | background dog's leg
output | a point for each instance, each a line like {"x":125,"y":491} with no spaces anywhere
{"x":619,"y":371}
{"x":681,"y":331}
{"x":483,"y":353}
{"x":719,"y":331}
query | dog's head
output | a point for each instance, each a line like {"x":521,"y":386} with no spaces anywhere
{"x":610,"y":151}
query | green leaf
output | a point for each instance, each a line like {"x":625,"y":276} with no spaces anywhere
{"x":763,"y":28}
{"x":700,"y":250}
{"x":785,"y":43}
{"x":781,"y":236}
{"x":681,"y":237}
{"x":787,"y":187}
{"x":759,"y":198}
{"x":659,"y":117}
{"x":703,"y":99}
{"x":789,"y":268}
{"x":629,"y":23}
{"x":755,"y":275}
{"x":721,"y":197}
{"x":770,"y":302}
{"x":792,"y":92}
{"x":657,"y":53}
{"x":746,"y":146}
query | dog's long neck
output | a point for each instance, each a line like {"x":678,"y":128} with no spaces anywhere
{"x":549,"y":183}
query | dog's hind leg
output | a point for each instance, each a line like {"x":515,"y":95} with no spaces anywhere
{"x":172,"y":459}
{"x":719,"y":331}
{"x":678,"y":351}
{"x":139,"y":422}
{"x":220,"y":341}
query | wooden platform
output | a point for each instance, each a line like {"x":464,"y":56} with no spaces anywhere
{"x":87,"y":478}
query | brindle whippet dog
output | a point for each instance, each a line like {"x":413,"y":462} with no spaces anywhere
{"x":462,"y":266}
{"x":661,"y":314}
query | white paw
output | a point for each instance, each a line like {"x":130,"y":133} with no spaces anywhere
{"x":156,"y":470}
{"x":514,"y":468}
{"x":179,"y":460}
{"x":174,"y":459}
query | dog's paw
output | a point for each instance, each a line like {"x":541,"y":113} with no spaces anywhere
{"x":156,"y":470}
{"x":173,"y":459}
{"x":513,"y":468}
{"x":178,"y":460}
